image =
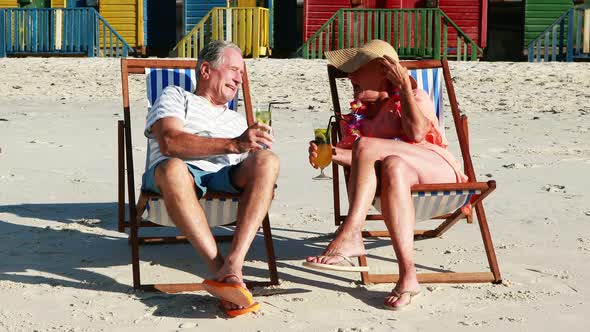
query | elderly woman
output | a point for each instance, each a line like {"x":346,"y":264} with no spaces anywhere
{"x":392,"y":143}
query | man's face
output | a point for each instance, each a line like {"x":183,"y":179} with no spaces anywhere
{"x":223,"y":82}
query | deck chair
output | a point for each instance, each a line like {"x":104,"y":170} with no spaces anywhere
{"x":149,"y":209}
{"x":431,"y":201}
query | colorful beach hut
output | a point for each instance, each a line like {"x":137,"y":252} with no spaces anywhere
{"x":248,"y":27}
{"x":124,"y":16}
{"x":469,"y":15}
{"x":72,"y":27}
{"x":32,"y":3}
{"x":540,"y":14}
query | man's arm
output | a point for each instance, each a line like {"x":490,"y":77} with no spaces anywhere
{"x":174,"y":142}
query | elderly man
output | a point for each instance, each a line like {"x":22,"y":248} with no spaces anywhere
{"x":198,"y":144}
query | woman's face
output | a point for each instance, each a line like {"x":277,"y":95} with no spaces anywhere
{"x":369,"y":83}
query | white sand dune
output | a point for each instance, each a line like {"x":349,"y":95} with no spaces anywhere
{"x":65,"y":268}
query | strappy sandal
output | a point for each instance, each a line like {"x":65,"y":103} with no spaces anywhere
{"x":395,"y":293}
{"x":345,"y":265}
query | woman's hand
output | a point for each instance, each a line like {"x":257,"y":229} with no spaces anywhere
{"x":313,"y":153}
{"x":396,"y":73}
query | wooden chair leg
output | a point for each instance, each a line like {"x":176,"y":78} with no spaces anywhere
{"x":121,"y":175}
{"x":270,"y":251}
{"x":487,"y":242}
{"x":134,"y":241}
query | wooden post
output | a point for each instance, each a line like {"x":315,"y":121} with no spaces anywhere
{"x":570,"y":36}
{"x":139,"y":31}
{"x":91,"y":32}
{"x":256,"y":26}
{"x":229,"y":24}
{"x":586,"y":47}
{"x":341,"y":33}
{"x":3,"y":31}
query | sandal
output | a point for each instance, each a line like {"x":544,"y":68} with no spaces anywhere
{"x":346,"y":265}
{"x":394,"y":293}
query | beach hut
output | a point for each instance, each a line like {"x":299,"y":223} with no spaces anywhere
{"x":438,"y":28}
{"x":469,"y":15}
{"x":124,"y":16}
{"x":32,"y":3}
{"x":248,"y":27}
{"x":60,"y":27}
{"x":193,"y":11}
{"x":540,"y":14}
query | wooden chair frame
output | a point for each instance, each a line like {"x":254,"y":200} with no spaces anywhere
{"x":461,"y":126}
{"x":125,"y":159}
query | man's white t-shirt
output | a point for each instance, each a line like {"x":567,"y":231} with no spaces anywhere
{"x":199,"y":117}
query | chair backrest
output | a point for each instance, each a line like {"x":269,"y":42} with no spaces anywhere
{"x":430,"y":76}
{"x":430,"y":80}
{"x":159,"y":78}
{"x":138,"y":66}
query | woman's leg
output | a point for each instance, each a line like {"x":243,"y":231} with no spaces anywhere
{"x":429,"y":166}
{"x":397,"y":177}
{"x":361,"y":190}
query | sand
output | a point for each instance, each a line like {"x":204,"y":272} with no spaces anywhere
{"x":66,"y":268}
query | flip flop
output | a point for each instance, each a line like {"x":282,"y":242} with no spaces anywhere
{"x":413,"y":294}
{"x":346,"y":265}
{"x":233,"y":293}
{"x":238,"y":312}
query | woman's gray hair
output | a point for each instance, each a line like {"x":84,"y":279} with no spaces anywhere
{"x":213,"y":54}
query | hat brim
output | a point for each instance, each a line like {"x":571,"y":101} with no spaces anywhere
{"x":349,"y":59}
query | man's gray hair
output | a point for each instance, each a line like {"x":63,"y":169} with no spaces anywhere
{"x":213,"y":54}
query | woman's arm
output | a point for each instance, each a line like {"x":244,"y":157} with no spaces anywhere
{"x":342,"y":157}
{"x":414,"y":124}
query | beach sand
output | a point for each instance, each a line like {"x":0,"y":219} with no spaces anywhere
{"x":66,"y":268}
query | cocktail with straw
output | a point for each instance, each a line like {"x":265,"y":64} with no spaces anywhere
{"x":321,"y":133}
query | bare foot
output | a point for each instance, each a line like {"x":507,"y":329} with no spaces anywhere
{"x":230,"y":276}
{"x":349,"y":244}
{"x":402,"y":294}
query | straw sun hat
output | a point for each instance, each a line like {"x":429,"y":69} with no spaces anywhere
{"x":350,"y":59}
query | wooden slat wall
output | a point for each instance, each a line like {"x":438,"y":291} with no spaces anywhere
{"x":8,"y":3}
{"x":58,"y":3}
{"x":466,"y":14}
{"x":195,"y":10}
{"x":122,"y":16}
{"x":317,"y":12}
{"x":539,"y":14}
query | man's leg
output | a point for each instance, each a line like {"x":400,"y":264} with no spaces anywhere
{"x":256,"y":176}
{"x":180,"y":196}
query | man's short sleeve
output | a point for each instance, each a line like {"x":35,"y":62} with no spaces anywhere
{"x":170,"y":103}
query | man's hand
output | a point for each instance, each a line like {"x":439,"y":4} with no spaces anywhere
{"x":253,"y":138}
{"x":313,"y":153}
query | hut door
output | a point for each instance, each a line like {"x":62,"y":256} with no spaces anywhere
{"x":161,"y":26}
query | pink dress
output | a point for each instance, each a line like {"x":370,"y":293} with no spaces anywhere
{"x":387,"y":124}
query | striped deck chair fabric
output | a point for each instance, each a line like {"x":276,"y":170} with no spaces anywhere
{"x":218,"y":211}
{"x":434,"y":203}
